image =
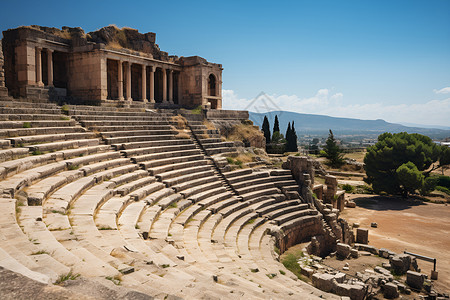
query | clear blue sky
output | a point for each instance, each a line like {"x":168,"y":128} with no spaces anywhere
{"x":348,"y":58}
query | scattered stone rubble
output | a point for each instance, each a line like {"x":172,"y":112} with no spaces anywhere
{"x":371,"y":283}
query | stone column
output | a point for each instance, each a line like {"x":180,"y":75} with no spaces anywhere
{"x":50,"y":67}
{"x":179,"y":85}
{"x":144,"y":83}
{"x":120,"y":79}
{"x":129,"y":82}
{"x":164,"y":85}
{"x":152,"y":84}
{"x":39,"y":67}
{"x":171,"y":86}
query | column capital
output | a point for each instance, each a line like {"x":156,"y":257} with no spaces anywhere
{"x":38,"y":48}
{"x":50,"y":50}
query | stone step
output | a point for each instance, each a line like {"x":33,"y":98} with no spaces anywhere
{"x":302,"y":219}
{"x":154,"y":197}
{"x":13,"y":153}
{"x":134,"y":173}
{"x":291,"y":215}
{"x":110,"y":113}
{"x":239,"y":184}
{"x":255,"y":188}
{"x":260,"y":193}
{"x":134,"y":185}
{"x":36,"y":124}
{"x":200,"y":189}
{"x":130,"y":128}
{"x":141,"y":117}
{"x":124,"y":123}
{"x":29,"y":110}
{"x":158,"y":149}
{"x":94,"y":158}
{"x":193,"y":183}
{"x":177,"y":166}
{"x":23,"y":172}
{"x":247,"y":177}
{"x":56,"y":146}
{"x":192,"y":174}
{"x":28,"y":117}
{"x":145,"y":144}
{"x":172,"y":199}
{"x":38,"y":139}
{"x":146,"y":190}
{"x":218,"y":201}
{"x":218,"y":145}
{"x":13,"y":103}
{"x":279,"y":172}
{"x":37,"y":193}
{"x":266,"y":209}
{"x":202,"y":192}
{"x":240,"y":172}
{"x":4,"y":144}
{"x":205,"y":142}
{"x":213,"y":151}
{"x":112,"y":134}
{"x":182,"y":172}
{"x":154,"y":164}
{"x":9,"y":133}
{"x":162,"y":155}
{"x":132,"y":139}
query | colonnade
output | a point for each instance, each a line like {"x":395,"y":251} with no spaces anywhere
{"x":124,"y":67}
{"x":38,"y":56}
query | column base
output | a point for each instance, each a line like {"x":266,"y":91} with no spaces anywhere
{"x":121,"y":98}
{"x":144,"y":100}
{"x":152,"y":101}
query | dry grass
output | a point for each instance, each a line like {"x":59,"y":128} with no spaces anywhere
{"x":244,"y":132}
{"x":183,"y":135}
{"x":358,"y":156}
{"x":114,"y":45}
{"x":209,"y":125}
{"x":180,"y":121}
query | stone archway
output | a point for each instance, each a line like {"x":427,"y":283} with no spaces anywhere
{"x":212,"y":85}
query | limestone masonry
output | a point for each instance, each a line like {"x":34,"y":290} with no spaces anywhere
{"x":109,"y":64}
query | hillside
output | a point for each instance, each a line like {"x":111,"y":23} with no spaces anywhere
{"x":320,"y":124}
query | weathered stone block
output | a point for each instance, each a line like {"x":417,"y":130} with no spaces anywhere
{"x":343,"y":250}
{"x":362,"y":236}
{"x":390,"y":290}
{"x":415,"y":279}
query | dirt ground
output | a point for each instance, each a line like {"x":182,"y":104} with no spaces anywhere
{"x":411,"y":225}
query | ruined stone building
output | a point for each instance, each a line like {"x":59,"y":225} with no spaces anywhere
{"x":108,"y":65}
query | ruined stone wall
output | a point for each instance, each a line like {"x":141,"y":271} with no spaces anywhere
{"x":298,"y":232}
{"x":3,"y":90}
{"x":87,"y":73}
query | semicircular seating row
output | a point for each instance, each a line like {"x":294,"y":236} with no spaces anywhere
{"x":115,"y":193}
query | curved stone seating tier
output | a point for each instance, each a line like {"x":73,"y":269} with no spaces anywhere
{"x":28,"y":117}
{"x":210,"y":139}
{"x":144,"y":144}
{"x":17,"y":245}
{"x":34,"y":124}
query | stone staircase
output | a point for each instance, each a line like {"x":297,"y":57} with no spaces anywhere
{"x":117,"y":194}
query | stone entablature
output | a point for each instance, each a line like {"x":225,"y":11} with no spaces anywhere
{"x":98,"y":67}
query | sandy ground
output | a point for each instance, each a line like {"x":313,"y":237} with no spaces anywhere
{"x":411,"y":225}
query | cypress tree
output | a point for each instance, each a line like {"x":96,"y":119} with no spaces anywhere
{"x":294,"y":138}
{"x":288,"y":132}
{"x":276,"y":125}
{"x":266,"y":129}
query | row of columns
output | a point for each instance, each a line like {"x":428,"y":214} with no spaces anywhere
{"x":127,"y":95}
{"x":39,"y":67}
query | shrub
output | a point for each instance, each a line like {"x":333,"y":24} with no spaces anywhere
{"x":26,"y":125}
{"x":348,"y":188}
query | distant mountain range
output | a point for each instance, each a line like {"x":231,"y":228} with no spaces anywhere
{"x":320,"y":124}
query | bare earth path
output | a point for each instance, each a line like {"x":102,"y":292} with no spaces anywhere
{"x":411,"y":225}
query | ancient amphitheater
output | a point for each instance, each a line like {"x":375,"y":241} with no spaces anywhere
{"x":136,"y":196}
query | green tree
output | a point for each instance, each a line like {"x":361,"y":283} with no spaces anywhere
{"x":294,"y":138}
{"x":382,"y":161}
{"x":333,"y":152}
{"x":409,"y":178}
{"x":291,"y":138}
{"x":266,"y":129}
{"x":276,"y":125}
